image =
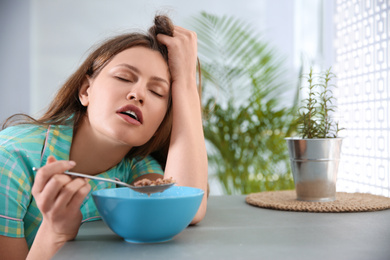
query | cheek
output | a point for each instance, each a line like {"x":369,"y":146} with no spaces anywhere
{"x":164,"y":110}
{"x":159,"y":114}
{"x":103,"y":99}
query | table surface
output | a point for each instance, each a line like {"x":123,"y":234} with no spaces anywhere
{"x":233,"y":229}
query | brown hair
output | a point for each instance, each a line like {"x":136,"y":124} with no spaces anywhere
{"x":67,"y":104}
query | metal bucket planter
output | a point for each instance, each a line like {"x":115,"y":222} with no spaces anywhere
{"x":314,"y":164}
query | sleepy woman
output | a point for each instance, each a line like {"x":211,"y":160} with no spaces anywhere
{"x":131,"y":111}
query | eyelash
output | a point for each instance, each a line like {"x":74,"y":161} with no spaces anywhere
{"x":157,"y":94}
{"x":123,"y":79}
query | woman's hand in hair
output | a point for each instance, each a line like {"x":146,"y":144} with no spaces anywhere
{"x":182,"y":53}
{"x":59,"y":198}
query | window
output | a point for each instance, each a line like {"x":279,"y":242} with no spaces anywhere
{"x":362,"y":42}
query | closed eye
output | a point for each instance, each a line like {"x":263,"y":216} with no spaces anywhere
{"x":123,"y":79}
{"x":156,"y":93}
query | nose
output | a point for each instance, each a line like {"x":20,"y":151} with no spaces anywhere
{"x":137,"y":93}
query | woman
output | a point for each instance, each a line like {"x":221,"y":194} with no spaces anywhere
{"x":131,"y":111}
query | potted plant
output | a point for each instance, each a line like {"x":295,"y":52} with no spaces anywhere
{"x":315,"y":154}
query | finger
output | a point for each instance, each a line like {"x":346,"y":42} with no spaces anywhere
{"x":50,"y":159}
{"x":183,"y":39}
{"x":178,"y":37}
{"x":78,"y":198}
{"x":46,"y":172}
{"x":182,"y":30}
{"x":164,"y":39}
{"x":69,"y":191}
{"x":51,"y":191}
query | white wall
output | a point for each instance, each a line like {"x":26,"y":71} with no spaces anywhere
{"x":44,"y":41}
{"x":57,"y":35}
{"x":14,"y":58}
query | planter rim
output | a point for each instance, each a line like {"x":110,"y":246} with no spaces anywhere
{"x":313,"y":139}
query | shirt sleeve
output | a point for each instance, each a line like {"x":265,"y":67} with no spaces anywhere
{"x":15,"y":194}
{"x":144,"y":166}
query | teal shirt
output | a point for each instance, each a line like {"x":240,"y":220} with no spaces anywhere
{"x":25,"y":146}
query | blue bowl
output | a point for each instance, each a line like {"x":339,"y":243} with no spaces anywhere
{"x":141,"y":219}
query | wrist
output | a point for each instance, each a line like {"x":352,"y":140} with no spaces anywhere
{"x":185,"y":84}
{"x":46,"y":243}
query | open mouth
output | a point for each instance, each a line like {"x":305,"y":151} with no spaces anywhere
{"x":131,"y":114}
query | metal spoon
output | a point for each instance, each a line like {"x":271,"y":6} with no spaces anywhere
{"x":142,"y":189}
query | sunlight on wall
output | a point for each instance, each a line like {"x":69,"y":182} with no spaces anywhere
{"x":362,"y":66}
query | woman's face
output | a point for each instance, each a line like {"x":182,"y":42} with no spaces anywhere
{"x":128,"y":100}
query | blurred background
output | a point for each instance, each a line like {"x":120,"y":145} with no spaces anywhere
{"x":252,"y":53}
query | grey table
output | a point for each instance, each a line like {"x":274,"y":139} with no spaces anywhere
{"x":233,"y":229}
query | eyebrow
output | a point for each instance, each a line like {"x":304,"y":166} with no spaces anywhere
{"x":135,"y":69}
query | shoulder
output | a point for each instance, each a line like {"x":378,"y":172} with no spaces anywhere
{"x":22,"y":136}
{"x":21,"y":145}
{"x":22,"y":133}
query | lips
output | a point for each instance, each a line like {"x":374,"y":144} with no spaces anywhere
{"x":131,"y":114}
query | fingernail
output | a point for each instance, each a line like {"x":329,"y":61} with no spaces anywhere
{"x":72,"y":163}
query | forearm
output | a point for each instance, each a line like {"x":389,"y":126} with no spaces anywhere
{"x":187,"y":157}
{"x":45,"y":244}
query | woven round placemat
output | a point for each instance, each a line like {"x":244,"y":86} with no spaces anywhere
{"x":345,"y":202}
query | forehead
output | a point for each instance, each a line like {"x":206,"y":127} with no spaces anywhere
{"x":144,"y":59}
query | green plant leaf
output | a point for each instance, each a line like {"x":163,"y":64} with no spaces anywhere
{"x":245,"y":121}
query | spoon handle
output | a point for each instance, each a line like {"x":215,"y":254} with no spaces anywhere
{"x":76,"y":174}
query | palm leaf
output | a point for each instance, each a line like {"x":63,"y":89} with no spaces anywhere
{"x":245,"y":120}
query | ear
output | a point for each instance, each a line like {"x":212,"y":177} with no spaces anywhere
{"x":83,"y":92}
